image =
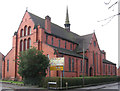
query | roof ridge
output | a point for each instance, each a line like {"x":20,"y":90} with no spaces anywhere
{"x":64,"y":29}
{"x":108,"y":61}
{"x":36,"y":15}
{"x":87,"y":34}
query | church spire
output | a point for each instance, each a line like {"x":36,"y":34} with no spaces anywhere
{"x":67,"y":24}
{"x":67,"y":17}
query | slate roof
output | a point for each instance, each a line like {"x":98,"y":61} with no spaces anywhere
{"x":61,"y":32}
{"x":84,"y":39}
{"x":55,"y":29}
{"x":67,"y":52}
{"x":108,"y":62}
{"x":37,"y":20}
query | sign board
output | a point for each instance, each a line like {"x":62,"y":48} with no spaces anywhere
{"x":56,"y":68}
{"x":57,"y":61}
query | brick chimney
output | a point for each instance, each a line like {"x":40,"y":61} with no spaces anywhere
{"x":48,"y":24}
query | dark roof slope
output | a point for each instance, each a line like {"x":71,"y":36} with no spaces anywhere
{"x":61,"y":32}
{"x":37,"y":20}
{"x":55,"y":29}
{"x":84,"y":39}
{"x":108,"y":62}
{"x":67,"y":52}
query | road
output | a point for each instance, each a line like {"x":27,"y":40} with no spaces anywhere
{"x":106,"y":87}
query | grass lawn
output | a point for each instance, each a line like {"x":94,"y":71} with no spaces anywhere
{"x":16,"y":82}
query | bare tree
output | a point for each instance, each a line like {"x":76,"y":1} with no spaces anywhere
{"x":110,"y":6}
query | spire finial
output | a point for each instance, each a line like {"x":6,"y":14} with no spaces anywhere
{"x":26,"y":8}
{"x":67,"y":23}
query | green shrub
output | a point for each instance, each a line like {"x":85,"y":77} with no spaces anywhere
{"x":78,"y":81}
{"x":32,"y":66}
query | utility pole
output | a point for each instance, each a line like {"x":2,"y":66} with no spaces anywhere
{"x":83,"y":62}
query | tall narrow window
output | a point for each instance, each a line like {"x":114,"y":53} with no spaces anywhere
{"x":52,"y":41}
{"x":93,"y":62}
{"x":29,"y":30}
{"x":21,"y":45}
{"x":97,"y":61}
{"x":72,"y":65}
{"x":70,"y":46}
{"x":65,"y":44}
{"x":93,"y":58}
{"x":46,"y":38}
{"x":94,"y":43}
{"x":81,"y":66}
{"x":25,"y":44}
{"x":69,"y":64}
{"x":103,"y":68}
{"x":113,"y":70}
{"x":29,"y":43}
{"x":7,"y":65}
{"x":109,"y":68}
{"x":59,"y":43}
{"x":48,"y":56}
{"x":21,"y":33}
{"x":25,"y":30}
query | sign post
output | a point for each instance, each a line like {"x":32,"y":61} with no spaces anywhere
{"x":58,"y":64}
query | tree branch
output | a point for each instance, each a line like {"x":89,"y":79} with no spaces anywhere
{"x":109,"y":18}
{"x":108,"y":2}
{"x":113,"y":5}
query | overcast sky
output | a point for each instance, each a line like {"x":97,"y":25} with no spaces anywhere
{"x":83,"y":16}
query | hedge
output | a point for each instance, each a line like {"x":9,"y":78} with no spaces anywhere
{"x":78,"y":81}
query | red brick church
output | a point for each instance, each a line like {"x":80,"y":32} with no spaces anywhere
{"x":56,"y":41}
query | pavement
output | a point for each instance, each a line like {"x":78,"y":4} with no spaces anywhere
{"x":11,"y":87}
{"x":105,"y":87}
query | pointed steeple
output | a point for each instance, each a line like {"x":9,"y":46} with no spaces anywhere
{"x":67,"y":17}
{"x":67,"y":24}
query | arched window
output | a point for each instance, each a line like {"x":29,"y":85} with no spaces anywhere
{"x":70,"y":46}
{"x":69,"y":64}
{"x":65,"y":44}
{"x":29,"y":30}
{"x":25,"y":30}
{"x":29,"y":43}
{"x":21,"y":45}
{"x":21,"y":33}
{"x":103,"y":68}
{"x":109,"y":68}
{"x":72,"y":65}
{"x":97,"y":61}
{"x":48,"y":56}
{"x":25,"y":44}
{"x":7,"y":65}
{"x":59,"y":43}
{"x":46,"y":38}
